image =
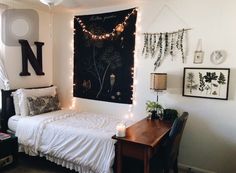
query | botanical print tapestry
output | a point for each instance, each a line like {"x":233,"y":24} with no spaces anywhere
{"x":104,"y":56}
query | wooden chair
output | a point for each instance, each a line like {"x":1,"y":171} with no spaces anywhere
{"x":170,"y":147}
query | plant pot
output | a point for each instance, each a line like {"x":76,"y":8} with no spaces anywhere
{"x":154,"y":115}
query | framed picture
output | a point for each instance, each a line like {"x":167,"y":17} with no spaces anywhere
{"x":210,"y":83}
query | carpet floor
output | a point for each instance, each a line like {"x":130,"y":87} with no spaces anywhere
{"x":28,"y":164}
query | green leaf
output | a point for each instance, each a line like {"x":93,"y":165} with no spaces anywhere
{"x":152,"y":106}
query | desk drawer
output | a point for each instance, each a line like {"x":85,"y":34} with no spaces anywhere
{"x":133,"y":150}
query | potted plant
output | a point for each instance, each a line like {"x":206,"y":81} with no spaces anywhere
{"x":153,"y":107}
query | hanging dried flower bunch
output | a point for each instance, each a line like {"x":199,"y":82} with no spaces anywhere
{"x":159,"y":45}
{"x":171,"y":41}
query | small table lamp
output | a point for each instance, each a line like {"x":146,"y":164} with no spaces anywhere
{"x":158,"y":82}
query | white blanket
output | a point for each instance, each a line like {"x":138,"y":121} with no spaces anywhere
{"x":82,"y":139}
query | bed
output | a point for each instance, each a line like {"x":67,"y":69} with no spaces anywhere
{"x":80,"y":141}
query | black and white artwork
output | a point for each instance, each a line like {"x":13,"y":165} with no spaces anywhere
{"x":104,"y":56}
{"x":206,"y":82}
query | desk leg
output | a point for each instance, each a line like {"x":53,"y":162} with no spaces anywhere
{"x":119,"y":158}
{"x":146,"y":160}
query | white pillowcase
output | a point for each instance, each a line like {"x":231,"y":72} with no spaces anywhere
{"x":16,"y":102}
{"x":24,"y":93}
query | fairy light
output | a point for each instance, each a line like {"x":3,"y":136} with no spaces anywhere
{"x":130,"y":113}
{"x":72,"y":106}
{"x":119,"y":28}
{"x":134,"y":69}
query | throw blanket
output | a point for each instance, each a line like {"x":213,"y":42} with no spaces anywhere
{"x":81,"y":139}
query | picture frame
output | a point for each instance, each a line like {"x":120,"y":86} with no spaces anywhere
{"x":212,"y":83}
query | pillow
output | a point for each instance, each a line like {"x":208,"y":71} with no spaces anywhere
{"x":15,"y":96}
{"x":24,"y":93}
{"x":43,"y":104}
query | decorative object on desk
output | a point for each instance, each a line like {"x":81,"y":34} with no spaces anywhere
{"x":120,"y":130}
{"x":198,"y":54}
{"x":206,"y":82}
{"x":158,"y":82}
{"x":170,"y":115}
{"x":171,"y":42}
{"x":154,"y":108}
{"x":218,"y":56}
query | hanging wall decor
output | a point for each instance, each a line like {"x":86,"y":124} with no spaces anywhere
{"x":104,"y":56}
{"x":19,"y":24}
{"x":36,"y":61}
{"x":218,"y":56}
{"x":160,"y":45}
{"x":198,"y":53}
{"x":210,"y":83}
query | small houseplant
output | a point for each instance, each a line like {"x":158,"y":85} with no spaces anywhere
{"x":153,"y":107}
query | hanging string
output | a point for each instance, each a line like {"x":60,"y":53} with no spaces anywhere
{"x":116,"y":30}
{"x":169,"y":10}
{"x":174,"y":32}
{"x":168,"y":44}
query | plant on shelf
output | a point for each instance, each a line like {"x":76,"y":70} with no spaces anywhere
{"x":153,"y":107}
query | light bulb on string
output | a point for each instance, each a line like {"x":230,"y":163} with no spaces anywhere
{"x":119,"y":28}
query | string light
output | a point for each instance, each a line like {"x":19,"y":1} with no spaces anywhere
{"x":119,"y":28}
{"x":134,"y":69}
{"x":72,"y":106}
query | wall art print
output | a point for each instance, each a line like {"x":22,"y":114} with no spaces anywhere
{"x":104,"y":56}
{"x":206,"y":82}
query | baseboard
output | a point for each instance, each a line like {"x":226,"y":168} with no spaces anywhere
{"x":192,"y":169}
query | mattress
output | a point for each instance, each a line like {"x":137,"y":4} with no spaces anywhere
{"x":76,"y":140}
{"x":13,"y":121}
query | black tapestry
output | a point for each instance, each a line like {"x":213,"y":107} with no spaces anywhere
{"x":104,"y":56}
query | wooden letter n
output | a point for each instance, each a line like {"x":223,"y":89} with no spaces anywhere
{"x":27,"y":54}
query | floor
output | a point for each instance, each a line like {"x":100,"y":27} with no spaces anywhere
{"x":27,"y":164}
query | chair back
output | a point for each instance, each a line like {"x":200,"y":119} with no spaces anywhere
{"x":174,"y":138}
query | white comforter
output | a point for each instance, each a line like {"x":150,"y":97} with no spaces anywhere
{"x":80,"y":141}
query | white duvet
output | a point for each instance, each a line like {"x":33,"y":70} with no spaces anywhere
{"x":79,"y":141}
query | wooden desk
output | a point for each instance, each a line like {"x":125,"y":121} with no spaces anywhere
{"x":141,"y":141}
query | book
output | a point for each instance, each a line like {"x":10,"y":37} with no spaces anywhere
{"x":4,"y":136}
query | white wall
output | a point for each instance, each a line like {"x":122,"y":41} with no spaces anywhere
{"x":12,"y":54}
{"x":209,"y":140}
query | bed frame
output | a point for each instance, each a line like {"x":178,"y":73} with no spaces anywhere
{"x":8,"y":109}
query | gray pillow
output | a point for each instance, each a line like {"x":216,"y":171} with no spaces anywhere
{"x":42,"y":104}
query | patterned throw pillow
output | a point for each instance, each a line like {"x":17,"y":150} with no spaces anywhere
{"x":43,"y":104}
{"x":38,"y":92}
